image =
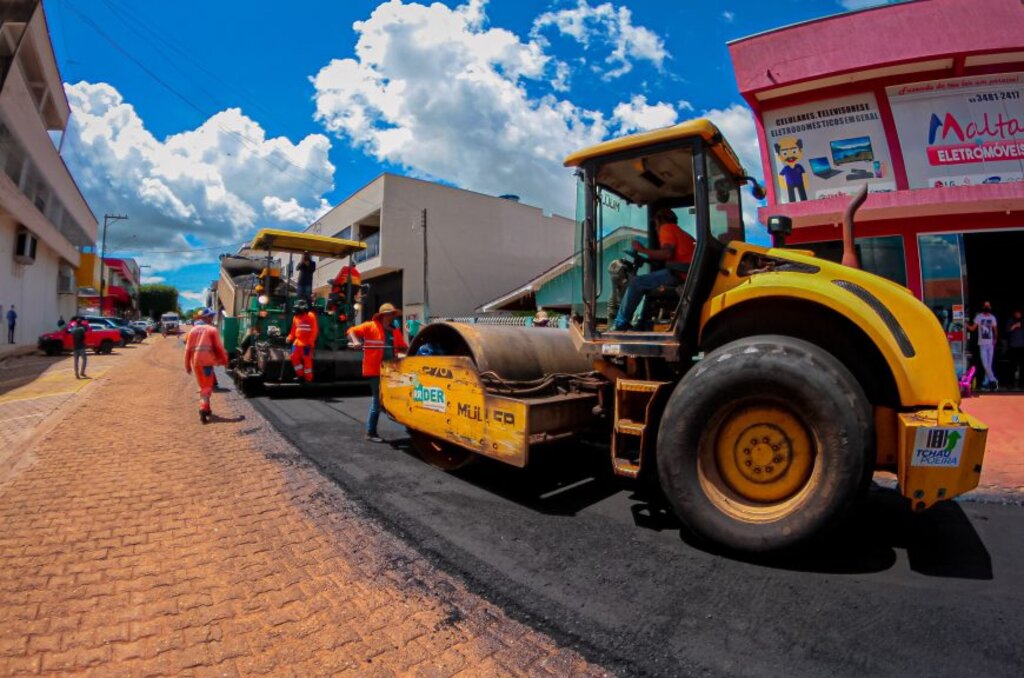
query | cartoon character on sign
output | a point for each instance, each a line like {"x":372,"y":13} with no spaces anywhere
{"x":792,"y":176}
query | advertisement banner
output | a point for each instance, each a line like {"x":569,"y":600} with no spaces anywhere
{"x":961,"y":131}
{"x":828,"y":148}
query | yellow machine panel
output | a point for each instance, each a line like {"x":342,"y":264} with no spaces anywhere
{"x":443,"y":397}
{"x":941,"y":454}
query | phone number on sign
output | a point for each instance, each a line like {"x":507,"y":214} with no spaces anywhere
{"x":993,"y":96}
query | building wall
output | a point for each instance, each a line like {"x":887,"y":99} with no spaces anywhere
{"x":31,"y":288}
{"x":479,"y":246}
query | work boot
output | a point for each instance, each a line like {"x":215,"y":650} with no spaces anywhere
{"x":204,"y":415}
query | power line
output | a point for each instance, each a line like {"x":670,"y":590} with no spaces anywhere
{"x":191,"y":104}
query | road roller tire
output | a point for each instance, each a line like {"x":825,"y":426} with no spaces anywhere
{"x":764,"y":443}
{"x":440,"y":453}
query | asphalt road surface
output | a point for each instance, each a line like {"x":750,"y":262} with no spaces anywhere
{"x":599,"y":564}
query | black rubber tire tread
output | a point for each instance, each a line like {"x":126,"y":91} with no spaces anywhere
{"x":52,"y":348}
{"x":106,"y":346}
{"x":817,"y":386}
{"x":449,"y":457}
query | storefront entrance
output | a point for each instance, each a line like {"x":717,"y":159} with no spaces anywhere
{"x":960,"y":271}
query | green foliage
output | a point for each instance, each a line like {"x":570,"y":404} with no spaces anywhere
{"x":156,"y":299}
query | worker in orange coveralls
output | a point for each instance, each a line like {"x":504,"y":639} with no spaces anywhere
{"x":203,"y":352}
{"x":372,"y":337}
{"x":303,"y":334}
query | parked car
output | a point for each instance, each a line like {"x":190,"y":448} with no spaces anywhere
{"x":127,"y":334}
{"x":143,"y":326}
{"x":137,"y":334}
{"x":100,"y":338}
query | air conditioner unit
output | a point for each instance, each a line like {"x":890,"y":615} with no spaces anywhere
{"x":25,"y":247}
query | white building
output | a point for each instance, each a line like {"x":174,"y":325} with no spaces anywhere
{"x":478,"y":246}
{"x":43,"y":217}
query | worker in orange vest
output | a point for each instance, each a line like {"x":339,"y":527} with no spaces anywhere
{"x":303,"y":340}
{"x":203,"y":352}
{"x":373,"y":337}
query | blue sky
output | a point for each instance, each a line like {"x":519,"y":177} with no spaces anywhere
{"x":204,"y":121}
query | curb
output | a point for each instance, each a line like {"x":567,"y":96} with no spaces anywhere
{"x":17,"y":352}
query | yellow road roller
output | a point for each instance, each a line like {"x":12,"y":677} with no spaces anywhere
{"x":762,"y":388}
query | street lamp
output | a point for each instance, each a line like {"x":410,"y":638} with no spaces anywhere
{"x":107,"y":218}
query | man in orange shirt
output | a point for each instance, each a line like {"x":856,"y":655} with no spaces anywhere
{"x":204,"y":351}
{"x":675,"y":248}
{"x":372,"y":336}
{"x":303,"y":340}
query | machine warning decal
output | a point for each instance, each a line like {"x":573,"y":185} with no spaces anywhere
{"x":938,"y":446}
{"x":428,"y":398}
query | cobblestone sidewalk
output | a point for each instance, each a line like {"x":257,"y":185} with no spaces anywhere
{"x":140,"y":543}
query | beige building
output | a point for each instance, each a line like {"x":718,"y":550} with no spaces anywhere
{"x":477,"y":247}
{"x":44,"y":219}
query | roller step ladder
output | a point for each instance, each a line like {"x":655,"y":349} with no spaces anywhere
{"x":638,"y":405}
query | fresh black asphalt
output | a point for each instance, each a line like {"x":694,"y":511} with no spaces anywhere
{"x":598,"y":563}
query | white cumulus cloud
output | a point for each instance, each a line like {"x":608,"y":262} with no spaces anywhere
{"x":436,"y":91}
{"x":608,"y":25}
{"x":639,"y":116}
{"x":215,"y":184}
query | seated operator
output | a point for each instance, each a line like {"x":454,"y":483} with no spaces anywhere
{"x":675,"y":248}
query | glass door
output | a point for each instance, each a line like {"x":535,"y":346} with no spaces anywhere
{"x":944,"y":289}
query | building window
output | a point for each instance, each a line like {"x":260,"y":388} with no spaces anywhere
{"x":882,"y":256}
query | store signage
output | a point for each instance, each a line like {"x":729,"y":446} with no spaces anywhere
{"x":828,"y":148}
{"x":961,"y":131}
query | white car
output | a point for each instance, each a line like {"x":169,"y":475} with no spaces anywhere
{"x":144,"y":325}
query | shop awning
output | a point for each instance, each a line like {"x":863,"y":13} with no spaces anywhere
{"x":119,"y":294}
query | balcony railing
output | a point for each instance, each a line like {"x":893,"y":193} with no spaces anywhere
{"x":372,"y":248}
{"x":22,"y":170}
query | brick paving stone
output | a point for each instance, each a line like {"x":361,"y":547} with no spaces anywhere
{"x":220,"y":553}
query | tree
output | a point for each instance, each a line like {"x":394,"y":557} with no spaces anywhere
{"x":157,"y":299}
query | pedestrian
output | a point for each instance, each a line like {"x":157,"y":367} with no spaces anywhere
{"x":1015,"y":335}
{"x":373,"y":336}
{"x":78,"y":329}
{"x":203,"y":352}
{"x":12,"y":319}
{"x":987,"y":327}
{"x":303,"y":339}
{"x":306,"y":267}
{"x":60,"y":322}
{"x":541,"y":319}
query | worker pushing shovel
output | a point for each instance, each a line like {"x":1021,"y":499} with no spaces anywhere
{"x":203,"y":352}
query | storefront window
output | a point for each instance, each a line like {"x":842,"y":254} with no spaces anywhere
{"x":943,"y":277}
{"x":882,"y":256}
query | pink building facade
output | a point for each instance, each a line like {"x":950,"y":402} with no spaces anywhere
{"x":924,"y":102}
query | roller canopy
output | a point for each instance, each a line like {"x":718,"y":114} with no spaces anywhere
{"x":318,"y":245}
{"x":512,"y":353}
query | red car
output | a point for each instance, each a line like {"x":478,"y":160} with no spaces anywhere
{"x":100,"y":339}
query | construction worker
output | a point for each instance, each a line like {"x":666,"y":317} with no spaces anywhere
{"x":203,"y":352}
{"x":303,"y":340}
{"x":373,"y":337}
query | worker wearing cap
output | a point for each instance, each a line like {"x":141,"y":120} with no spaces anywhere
{"x":204,"y":351}
{"x":373,"y":337}
{"x":303,"y":340}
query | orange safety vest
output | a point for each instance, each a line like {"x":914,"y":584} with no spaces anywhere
{"x":304,"y":329}
{"x":373,"y":335}
{"x":203,"y":347}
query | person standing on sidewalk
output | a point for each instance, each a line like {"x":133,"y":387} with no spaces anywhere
{"x":12,"y":318}
{"x":987,"y":327}
{"x":373,"y":337}
{"x":304,"y":332}
{"x":1015,"y":334}
{"x":203,"y":352}
{"x":78,"y":328}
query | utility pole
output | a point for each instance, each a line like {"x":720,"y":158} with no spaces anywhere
{"x":426,"y":296}
{"x":107,"y":218}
